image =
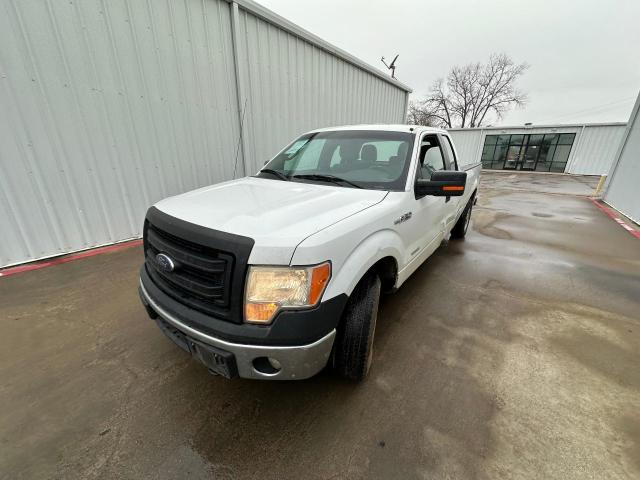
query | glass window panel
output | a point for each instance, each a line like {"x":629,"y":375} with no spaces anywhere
{"x":566,"y":138}
{"x":446,"y":143}
{"x":516,"y":139}
{"x":384,"y":150}
{"x":513,"y":156}
{"x":309,"y":158}
{"x":542,"y":166}
{"x":499,"y":156}
{"x":491,"y":140}
{"x":487,"y":152}
{"x":562,"y":154}
{"x":529,"y":156}
{"x":557,"y":167}
{"x":535,"y":139}
{"x":544,"y":159}
{"x":503,"y":139}
{"x":550,"y":139}
{"x":433,"y":161}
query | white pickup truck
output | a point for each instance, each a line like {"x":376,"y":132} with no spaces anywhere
{"x":275,"y":276}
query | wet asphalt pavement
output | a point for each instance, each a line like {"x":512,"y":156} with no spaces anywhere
{"x":512,"y":354}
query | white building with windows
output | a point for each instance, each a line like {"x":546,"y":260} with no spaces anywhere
{"x":583,"y":149}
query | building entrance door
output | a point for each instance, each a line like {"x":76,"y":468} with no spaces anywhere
{"x":513,"y":157}
{"x":514,"y":152}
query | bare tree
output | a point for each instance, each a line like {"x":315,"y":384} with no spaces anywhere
{"x":471,"y":94}
{"x":420,"y":114}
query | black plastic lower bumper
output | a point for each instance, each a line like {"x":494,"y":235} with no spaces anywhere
{"x":290,"y":327}
{"x":218,"y":361}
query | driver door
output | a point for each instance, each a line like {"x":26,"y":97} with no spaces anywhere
{"x":428,"y":211}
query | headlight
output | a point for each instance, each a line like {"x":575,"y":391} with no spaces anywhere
{"x":270,"y":289}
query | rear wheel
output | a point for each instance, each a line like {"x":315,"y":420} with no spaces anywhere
{"x":459,"y":230}
{"x":354,"y":343}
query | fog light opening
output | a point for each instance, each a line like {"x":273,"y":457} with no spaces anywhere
{"x":267,"y":365}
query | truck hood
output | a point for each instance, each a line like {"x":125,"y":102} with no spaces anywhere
{"x":278,"y":215}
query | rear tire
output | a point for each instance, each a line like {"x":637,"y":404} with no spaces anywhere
{"x":459,"y":230}
{"x":354,"y":343}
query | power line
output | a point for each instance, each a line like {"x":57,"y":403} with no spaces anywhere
{"x":591,"y":109}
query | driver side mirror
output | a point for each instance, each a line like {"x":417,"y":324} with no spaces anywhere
{"x":443,"y":183}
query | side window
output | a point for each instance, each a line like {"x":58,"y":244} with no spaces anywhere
{"x":431,"y":158}
{"x":448,"y":146}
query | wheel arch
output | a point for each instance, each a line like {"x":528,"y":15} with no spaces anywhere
{"x":380,"y":252}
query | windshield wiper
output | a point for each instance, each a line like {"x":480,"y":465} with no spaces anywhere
{"x":327,"y":178}
{"x":276,"y":173}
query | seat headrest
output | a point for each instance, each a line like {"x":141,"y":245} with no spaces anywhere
{"x":369,"y":153}
{"x":348,"y":152}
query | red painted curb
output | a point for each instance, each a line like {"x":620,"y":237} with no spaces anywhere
{"x":613,"y":214}
{"x":68,"y":258}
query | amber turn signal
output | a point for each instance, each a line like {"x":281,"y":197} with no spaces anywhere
{"x":260,"y":312}
{"x":319,"y":278}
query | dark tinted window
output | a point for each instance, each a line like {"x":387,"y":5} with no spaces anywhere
{"x":491,"y":139}
{"x":535,"y":139}
{"x":503,"y":139}
{"x":431,"y":157}
{"x":516,"y":139}
{"x":566,"y":138}
{"x":448,"y":146}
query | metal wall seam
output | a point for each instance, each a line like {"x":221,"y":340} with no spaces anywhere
{"x":242,"y":100}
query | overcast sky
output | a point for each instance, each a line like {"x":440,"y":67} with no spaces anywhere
{"x":584,"y":55}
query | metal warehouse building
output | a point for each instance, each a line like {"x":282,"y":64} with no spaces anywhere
{"x":622,"y":190}
{"x":108,"y":107}
{"x":587,"y":149}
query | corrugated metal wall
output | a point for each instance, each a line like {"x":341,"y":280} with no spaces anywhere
{"x":108,"y":106}
{"x":623,"y":188}
{"x":293,"y":86}
{"x":592,"y":152}
{"x":468,"y":144}
{"x":595,"y":149}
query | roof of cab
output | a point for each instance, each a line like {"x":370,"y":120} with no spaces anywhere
{"x":382,"y":127}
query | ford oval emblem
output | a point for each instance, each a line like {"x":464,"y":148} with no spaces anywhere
{"x":165,"y":262}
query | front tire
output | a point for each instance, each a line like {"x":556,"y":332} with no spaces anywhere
{"x":459,"y":230}
{"x":354,"y":343}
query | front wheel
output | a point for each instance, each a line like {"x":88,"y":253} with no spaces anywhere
{"x":459,"y":230}
{"x":354,"y":343}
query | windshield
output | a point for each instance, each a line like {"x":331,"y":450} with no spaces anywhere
{"x":351,"y":158}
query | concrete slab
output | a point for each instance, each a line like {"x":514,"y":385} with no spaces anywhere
{"x":541,"y":182}
{"x":511,"y":354}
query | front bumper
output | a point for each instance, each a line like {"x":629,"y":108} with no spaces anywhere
{"x":297,"y":362}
